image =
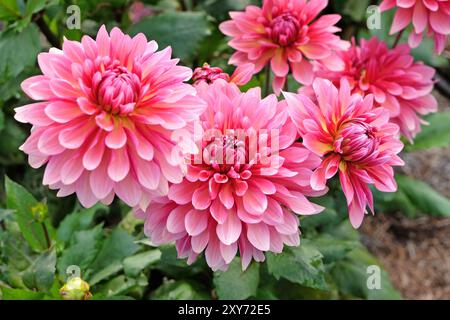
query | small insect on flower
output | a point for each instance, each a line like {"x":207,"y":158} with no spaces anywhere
{"x":105,"y":117}
{"x":287,"y":34}
{"x":352,"y":137}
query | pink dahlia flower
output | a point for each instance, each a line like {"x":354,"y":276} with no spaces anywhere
{"x":352,"y":137}
{"x":209,"y":74}
{"x":430,"y":16}
{"x":244,"y":191}
{"x":287,"y":34}
{"x":397,"y":83}
{"x":105,"y":117}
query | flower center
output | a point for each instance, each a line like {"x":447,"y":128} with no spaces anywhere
{"x":225,"y":152}
{"x":356,"y":140}
{"x":117,"y":89}
{"x":285,"y":29}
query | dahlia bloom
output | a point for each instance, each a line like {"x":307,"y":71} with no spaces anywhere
{"x":288,"y":34}
{"x":107,"y":111}
{"x":397,"y":83}
{"x":430,"y":16}
{"x":352,"y":137}
{"x":208,"y":74}
{"x":244,"y":190}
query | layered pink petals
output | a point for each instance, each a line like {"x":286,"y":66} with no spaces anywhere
{"x":429,"y":17}
{"x":354,"y":139}
{"x":286,"y":34}
{"x":236,"y":199}
{"x":398,"y":84}
{"x":106,"y":117}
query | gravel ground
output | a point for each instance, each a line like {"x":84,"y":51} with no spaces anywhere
{"x":416,"y":252}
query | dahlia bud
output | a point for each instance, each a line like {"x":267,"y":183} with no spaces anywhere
{"x":39,"y":212}
{"x":285,"y":29}
{"x":209,"y":74}
{"x":75,"y":289}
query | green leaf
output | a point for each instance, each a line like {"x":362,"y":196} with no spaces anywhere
{"x":220,"y":9}
{"x":41,"y":274}
{"x":12,"y":137}
{"x":118,"y":286}
{"x":45,"y":267}
{"x":105,"y":273}
{"x":114,"y":250}
{"x":117,"y":247}
{"x":414,"y":198}
{"x":76,"y":221}
{"x":135,"y":264}
{"x":34,"y":6}
{"x":9,"y":10}
{"x":179,"y":290}
{"x":82,"y":251}
{"x":352,"y":274}
{"x":302,"y":265}
{"x":183,"y":31}
{"x":434,"y":135}
{"x":20,"y":294}
{"x":235,"y":284}
{"x":332,"y":248}
{"x":19,"y":199}
{"x":356,"y":9}
{"x":19,"y":51}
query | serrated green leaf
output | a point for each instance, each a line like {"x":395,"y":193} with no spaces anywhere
{"x":76,"y":221}
{"x":105,"y":273}
{"x":45,"y":270}
{"x":20,"y":200}
{"x":82,"y":250}
{"x":18,"y":51}
{"x":135,"y":264}
{"x":117,"y":286}
{"x":302,"y":265}
{"x":116,"y":247}
{"x":235,"y":284}
{"x":183,"y":31}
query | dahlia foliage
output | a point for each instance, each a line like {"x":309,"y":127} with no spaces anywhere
{"x":218,"y":170}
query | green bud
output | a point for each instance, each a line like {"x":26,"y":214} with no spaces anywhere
{"x":75,"y":289}
{"x":39,"y":212}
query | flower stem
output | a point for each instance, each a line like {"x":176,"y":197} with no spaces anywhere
{"x":51,"y":38}
{"x":267,"y":81}
{"x":286,"y":84}
{"x":47,"y":236}
{"x":397,"y":38}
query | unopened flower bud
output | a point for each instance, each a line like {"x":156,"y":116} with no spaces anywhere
{"x":39,"y":212}
{"x":75,"y":289}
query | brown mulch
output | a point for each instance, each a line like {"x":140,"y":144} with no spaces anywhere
{"x":416,"y":252}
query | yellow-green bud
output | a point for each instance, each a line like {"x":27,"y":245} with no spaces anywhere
{"x":39,"y":212}
{"x":75,"y":289}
